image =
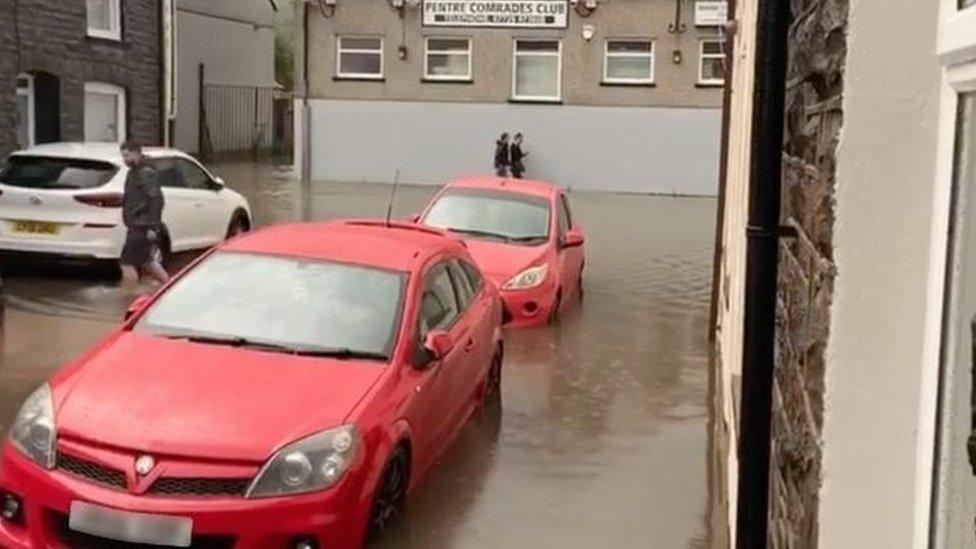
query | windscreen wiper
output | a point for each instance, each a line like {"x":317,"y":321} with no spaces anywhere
{"x":530,"y":238}
{"x":233,"y":341}
{"x":475,"y":232}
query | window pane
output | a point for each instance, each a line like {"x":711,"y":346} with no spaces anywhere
{"x":537,"y":76}
{"x":537,"y":45}
{"x":509,"y":216}
{"x":360,"y":43}
{"x":713,"y":69}
{"x":440,"y":64}
{"x":360,"y":63}
{"x":632,"y":47}
{"x":713,"y":48}
{"x":193,"y":177}
{"x":228,"y":295}
{"x":448,"y":44}
{"x":629,"y":68}
{"x":100,"y":15}
{"x":36,"y":172}
{"x":101,"y":117}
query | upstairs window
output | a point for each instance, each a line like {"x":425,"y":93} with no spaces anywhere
{"x":105,"y":19}
{"x":711,"y":63}
{"x":360,"y":58}
{"x":448,"y":59}
{"x":537,"y":70}
{"x":629,"y":62}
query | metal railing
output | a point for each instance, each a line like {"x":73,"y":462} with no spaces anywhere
{"x":237,"y":121}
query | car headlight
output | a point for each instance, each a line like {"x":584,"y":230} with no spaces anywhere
{"x":309,"y":465}
{"x":33,"y":432}
{"x":529,"y":278}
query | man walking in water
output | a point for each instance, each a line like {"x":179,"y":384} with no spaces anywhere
{"x":516,"y":157}
{"x":502,"y":159}
{"x":142,"y":213}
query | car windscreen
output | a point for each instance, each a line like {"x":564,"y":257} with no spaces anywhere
{"x":282,"y":303}
{"x":503,"y":216}
{"x":39,"y":172}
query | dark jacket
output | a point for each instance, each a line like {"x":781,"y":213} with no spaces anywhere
{"x":517,"y":155}
{"x":501,"y":154}
{"x":142,"y":204}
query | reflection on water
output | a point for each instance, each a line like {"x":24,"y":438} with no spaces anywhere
{"x":603,"y":438}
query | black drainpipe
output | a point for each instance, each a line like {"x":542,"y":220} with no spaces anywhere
{"x":758,"y":359}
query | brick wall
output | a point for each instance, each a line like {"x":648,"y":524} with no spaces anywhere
{"x":813,"y":120}
{"x":51,"y":37}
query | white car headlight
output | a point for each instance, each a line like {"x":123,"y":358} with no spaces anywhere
{"x":309,"y":465}
{"x":33,"y":432}
{"x":529,"y":278}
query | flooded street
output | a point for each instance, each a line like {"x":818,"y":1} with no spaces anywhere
{"x":603,"y":439}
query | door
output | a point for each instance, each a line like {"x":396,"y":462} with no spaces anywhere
{"x":436,"y":403}
{"x":954,"y":484}
{"x":570,"y":259}
{"x":188,"y":210}
{"x":475,"y":323}
{"x":211,"y":213}
{"x":25,"y":111}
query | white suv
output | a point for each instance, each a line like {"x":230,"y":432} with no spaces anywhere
{"x":65,"y":200}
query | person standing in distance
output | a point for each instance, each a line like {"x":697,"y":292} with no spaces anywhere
{"x":502,"y":158}
{"x":142,"y":214}
{"x":516,"y":157}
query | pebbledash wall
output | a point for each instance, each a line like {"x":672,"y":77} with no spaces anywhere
{"x":653,"y":137}
{"x":49,"y":40}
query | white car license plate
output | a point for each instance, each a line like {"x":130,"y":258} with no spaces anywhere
{"x":130,"y":527}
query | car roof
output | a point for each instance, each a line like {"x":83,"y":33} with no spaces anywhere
{"x":504,"y":184}
{"x":106,"y":152}
{"x":398,"y":246}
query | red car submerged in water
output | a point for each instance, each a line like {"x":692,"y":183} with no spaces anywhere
{"x":523,"y":236}
{"x":286,"y":391}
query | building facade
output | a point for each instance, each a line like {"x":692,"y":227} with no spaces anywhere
{"x":230,"y":45}
{"x":569,"y":75}
{"x":873,"y":398}
{"x":81,"y":70}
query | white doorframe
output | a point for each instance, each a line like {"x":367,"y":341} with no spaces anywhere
{"x":956,"y":50}
{"x":29,"y":92}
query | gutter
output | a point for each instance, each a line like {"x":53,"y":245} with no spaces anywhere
{"x":763,"y":232}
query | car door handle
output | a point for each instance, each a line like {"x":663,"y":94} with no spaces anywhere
{"x":469,"y":346}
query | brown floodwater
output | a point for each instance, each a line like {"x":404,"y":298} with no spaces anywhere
{"x":602,"y":440}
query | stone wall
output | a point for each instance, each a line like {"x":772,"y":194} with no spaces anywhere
{"x":813,"y":121}
{"x":50,"y":36}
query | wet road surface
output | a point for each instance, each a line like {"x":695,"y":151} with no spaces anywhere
{"x":602,"y":440}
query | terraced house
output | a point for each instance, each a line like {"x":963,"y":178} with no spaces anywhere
{"x":567,"y":73}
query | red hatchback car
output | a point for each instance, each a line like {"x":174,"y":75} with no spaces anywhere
{"x":524,"y":238}
{"x":285,"y":391}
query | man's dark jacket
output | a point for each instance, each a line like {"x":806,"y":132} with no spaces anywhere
{"x":142,"y":204}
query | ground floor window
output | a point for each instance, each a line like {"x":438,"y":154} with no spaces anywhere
{"x":448,"y":59}
{"x":25,"y":111}
{"x":105,"y":112}
{"x":629,"y":62}
{"x":359,"y":57}
{"x":537,"y":70}
{"x":711,"y":66}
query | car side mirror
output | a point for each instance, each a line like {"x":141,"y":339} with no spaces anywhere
{"x":573,"y":239}
{"x":137,"y":305}
{"x":415,"y":218}
{"x":437,"y":345}
{"x":218,"y":183}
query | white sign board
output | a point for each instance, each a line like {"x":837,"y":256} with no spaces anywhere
{"x":711,"y":14}
{"x":538,"y":14}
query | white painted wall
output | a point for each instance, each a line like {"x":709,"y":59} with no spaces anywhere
{"x":630,"y":149}
{"x":876,"y":479}
{"x":234,"y":39}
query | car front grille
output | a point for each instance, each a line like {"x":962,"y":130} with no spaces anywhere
{"x":200,"y":487}
{"x":92,"y":472}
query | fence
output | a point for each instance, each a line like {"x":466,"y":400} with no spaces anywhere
{"x":245,"y":120}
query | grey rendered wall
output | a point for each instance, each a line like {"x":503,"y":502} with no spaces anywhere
{"x":492,"y":56}
{"x":235,"y":51}
{"x":627,"y":149}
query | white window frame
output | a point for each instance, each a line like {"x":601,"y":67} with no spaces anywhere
{"x":607,"y":79}
{"x":356,"y":75}
{"x":956,"y":49}
{"x":449,"y":78}
{"x":559,"y":69}
{"x":701,"y":61}
{"x":121,"y":104}
{"x":114,"y":33}
{"x":30,"y":93}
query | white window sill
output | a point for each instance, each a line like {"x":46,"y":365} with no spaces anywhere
{"x":105,"y":35}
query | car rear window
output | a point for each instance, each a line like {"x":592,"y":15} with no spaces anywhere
{"x":38,"y":172}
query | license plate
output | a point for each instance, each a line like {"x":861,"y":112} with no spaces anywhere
{"x":125,"y":526}
{"x":36,"y":227}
